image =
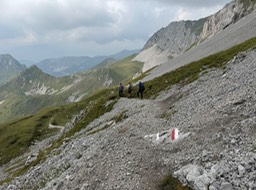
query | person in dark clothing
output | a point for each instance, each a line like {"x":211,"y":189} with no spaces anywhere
{"x":141,"y":90}
{"x":130,"y":88}
{"x":121,"y":89}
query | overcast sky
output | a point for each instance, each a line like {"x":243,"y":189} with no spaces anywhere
{"x":39,"y":29}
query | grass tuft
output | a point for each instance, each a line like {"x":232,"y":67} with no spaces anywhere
{"x":171,"y":183}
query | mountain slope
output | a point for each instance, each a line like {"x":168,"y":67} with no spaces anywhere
{"x":29,"y":92}
{"x":9,"y":68}
{"x":215,"y":119}
{"x":179,"y":37}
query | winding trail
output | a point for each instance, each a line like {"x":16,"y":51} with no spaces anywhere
{"x":51,"y":126}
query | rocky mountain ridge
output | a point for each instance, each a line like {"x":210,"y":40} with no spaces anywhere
{"x":179,"y":37}
{"x":237,"y":33}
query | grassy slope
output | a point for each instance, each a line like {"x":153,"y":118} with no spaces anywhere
{"x":19,"y":135}
{"x":126,"y":67}
{"x":16,"y":104}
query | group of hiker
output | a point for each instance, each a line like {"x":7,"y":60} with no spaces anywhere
{"x":140,"y":91}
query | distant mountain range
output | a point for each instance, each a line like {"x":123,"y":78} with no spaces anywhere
{"x":64,"y":66}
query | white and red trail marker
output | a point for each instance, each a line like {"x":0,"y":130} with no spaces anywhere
{"x":174,"y":134}
{"x":168,"y":136}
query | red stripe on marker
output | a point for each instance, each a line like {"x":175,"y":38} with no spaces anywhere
{"x":173,"y":134}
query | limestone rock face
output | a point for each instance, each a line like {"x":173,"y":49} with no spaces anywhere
{"x":230,"y":14}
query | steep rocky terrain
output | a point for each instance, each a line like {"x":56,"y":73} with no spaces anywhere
{"x":179,"y":37}
{"x":215,"y":149}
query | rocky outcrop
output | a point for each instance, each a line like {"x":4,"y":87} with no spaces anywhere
{"x":176,"y":37}
{"x":216,"y":112}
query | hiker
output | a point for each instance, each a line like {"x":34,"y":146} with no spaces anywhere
{"x":141,"y":90}
{"x":130,"y":88}
{"x":121,"y":89}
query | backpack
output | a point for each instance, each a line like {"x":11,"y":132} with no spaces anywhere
{"x":130,"y":88}
{"x":121,"y":87}
{"x":142,"y":87}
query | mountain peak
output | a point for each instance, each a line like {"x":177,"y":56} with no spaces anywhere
{"x":8,"y":60}
{"x":9,"y":68}
{"x":34,"y":72}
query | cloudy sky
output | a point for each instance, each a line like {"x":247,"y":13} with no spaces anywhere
{"x":39,"y":29}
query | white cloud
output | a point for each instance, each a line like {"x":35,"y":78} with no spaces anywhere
{"x":27,"y":38}
{"x":88,"y":27}
{"x":158,"y":11}
{"x":182,"y":14}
